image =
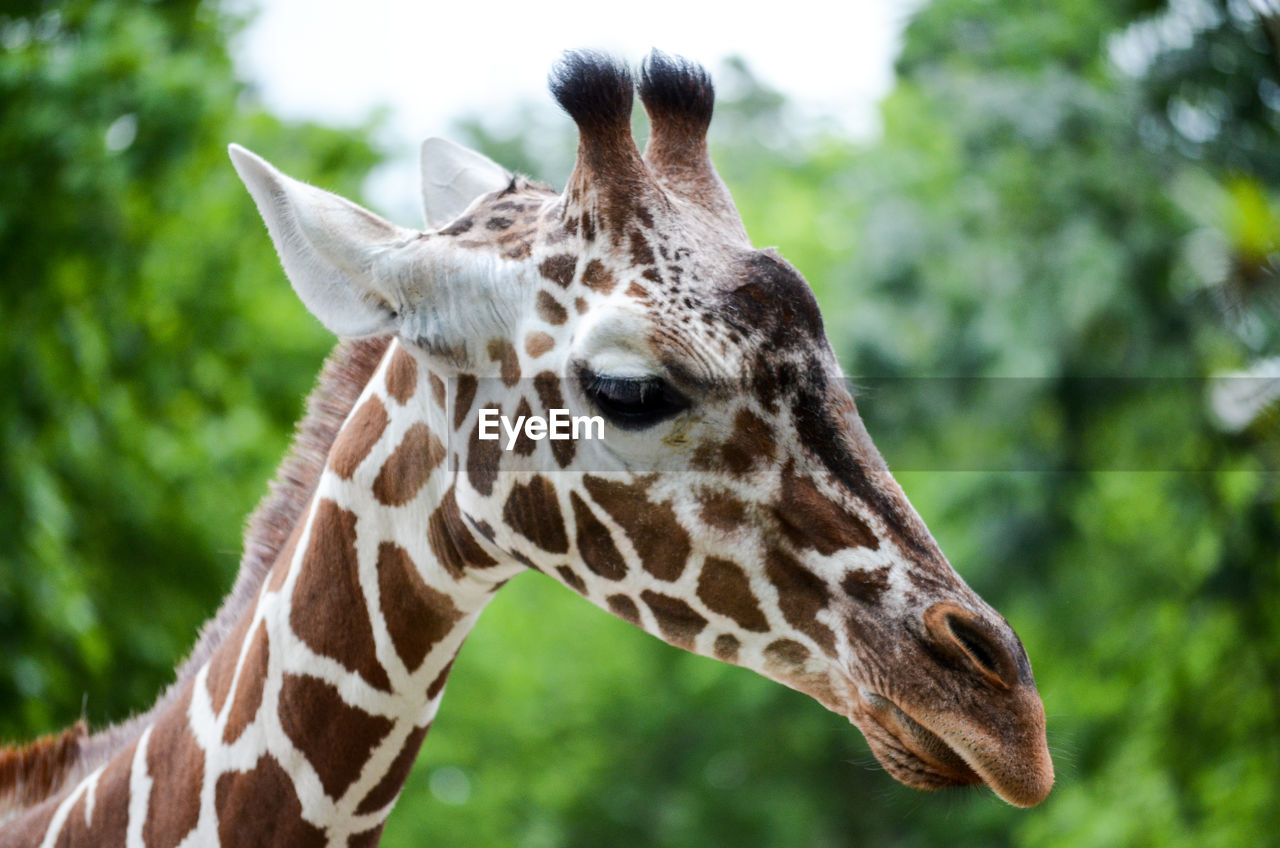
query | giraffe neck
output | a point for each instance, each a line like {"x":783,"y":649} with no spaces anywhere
{"x":302,"y":726}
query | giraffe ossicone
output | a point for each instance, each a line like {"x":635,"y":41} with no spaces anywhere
{"x":735,"y":508}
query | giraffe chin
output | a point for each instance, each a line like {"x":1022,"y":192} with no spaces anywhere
{"x":921,"y":758}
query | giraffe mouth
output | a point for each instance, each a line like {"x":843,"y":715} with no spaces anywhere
{"x":911,"y":753}
{"x":943,"y":754}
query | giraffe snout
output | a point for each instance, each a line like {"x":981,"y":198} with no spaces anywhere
{"x":971,"y":712}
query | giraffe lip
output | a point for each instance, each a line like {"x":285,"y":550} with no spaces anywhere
{"x":910,"y":752}
{"x":926,"y":757}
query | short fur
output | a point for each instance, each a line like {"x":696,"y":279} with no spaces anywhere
{"x":39,"y":770}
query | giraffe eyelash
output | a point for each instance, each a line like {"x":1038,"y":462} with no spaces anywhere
{"x":632,"y":403}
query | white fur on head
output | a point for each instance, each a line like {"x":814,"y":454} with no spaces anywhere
{"x":452,"y":177}
{"x":343,"y":260}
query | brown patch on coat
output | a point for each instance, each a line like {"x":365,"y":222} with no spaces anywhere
{"x":679,"y":623}
{"x":533,"y":511}
{"x":253,"y":678}
{"x":402,"y":376}
{"x":801,"y":595}
{"x":599,"y":278}
{"x":33,"y":772}
{"x":766,"y":383}
{"x":867,"y":585}
{"x":559,"y":269}
{"x":222,"y":666}
{"x":365,"y":839}
{"x":595,"y":542}
{"x":725,"y":588}
{"x":417,"y":615}
{"x":392,"y":782}
{"x":637,"y":291}
{"x":751,"y":443}
{"x":726,"y":648}
{"x":524,"y":446}
{"x":519,"y":250}
{"x":335,"y":737}
{"x":538,"y":343}
{"x":547,"y":384}
{"x":175,"y":761}
{"x":330,"y":613}
{"x":811,"y":520}
{"x":459,"y":226}
{"x":111,"y":799}
{"x":483,"y":459}
{"x":580,"y":304}
{"x":571,"y":579}
{"x":719,"y":508}
{"x":655,"y":532}
{"x":550,"y":310}
{"x":641,"y":252}
{"x":785,"y":655}
{"x":438,"y":391}
{"x":465,"y":396}
{"x":451,"y":542}
{"x":483,"y":528}
{"x":624,"y":608}
{"x":358,"y":437}
{"x":437,"y":685}
{"x":409,"y":466}
{"x":504,"y":353}
{"x":261,"y":807}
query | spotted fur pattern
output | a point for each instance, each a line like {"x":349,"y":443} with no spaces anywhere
{"x":760,"y":526}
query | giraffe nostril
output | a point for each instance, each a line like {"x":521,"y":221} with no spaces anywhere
{"x":974,"y":643}
{"x":968,"y":640}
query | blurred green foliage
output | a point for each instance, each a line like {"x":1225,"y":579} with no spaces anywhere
{"x":152,"y":359}
{"x":1059,"y":191}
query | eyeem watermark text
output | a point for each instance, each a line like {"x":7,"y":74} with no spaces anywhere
{"x":557,"y":425}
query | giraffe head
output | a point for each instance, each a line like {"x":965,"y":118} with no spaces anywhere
{"x":736,"y":506}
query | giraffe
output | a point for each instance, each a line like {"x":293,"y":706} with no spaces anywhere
{"x":736,"y":507}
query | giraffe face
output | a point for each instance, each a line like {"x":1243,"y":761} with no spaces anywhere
{"x":737,"y":507}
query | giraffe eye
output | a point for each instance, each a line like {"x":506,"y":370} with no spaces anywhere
{"x":633,"y":403}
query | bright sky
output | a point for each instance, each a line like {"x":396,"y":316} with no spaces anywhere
{"x":428,"y":63}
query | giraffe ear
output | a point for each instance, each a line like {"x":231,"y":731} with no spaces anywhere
{"x":343,"y":261}
{"x":452,"y":177}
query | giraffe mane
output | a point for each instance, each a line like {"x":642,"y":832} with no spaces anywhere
{"x":30,"y":773}
{"x":37,"y":771}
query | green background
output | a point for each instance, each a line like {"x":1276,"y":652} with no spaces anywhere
{"x":1060,"y":191}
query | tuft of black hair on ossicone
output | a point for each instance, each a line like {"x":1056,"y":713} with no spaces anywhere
{"x":595,"y":89}
{"x":677,"y":91}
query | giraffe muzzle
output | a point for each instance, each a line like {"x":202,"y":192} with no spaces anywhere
{"x":975,"y":717}
{"x":932,"y":750}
